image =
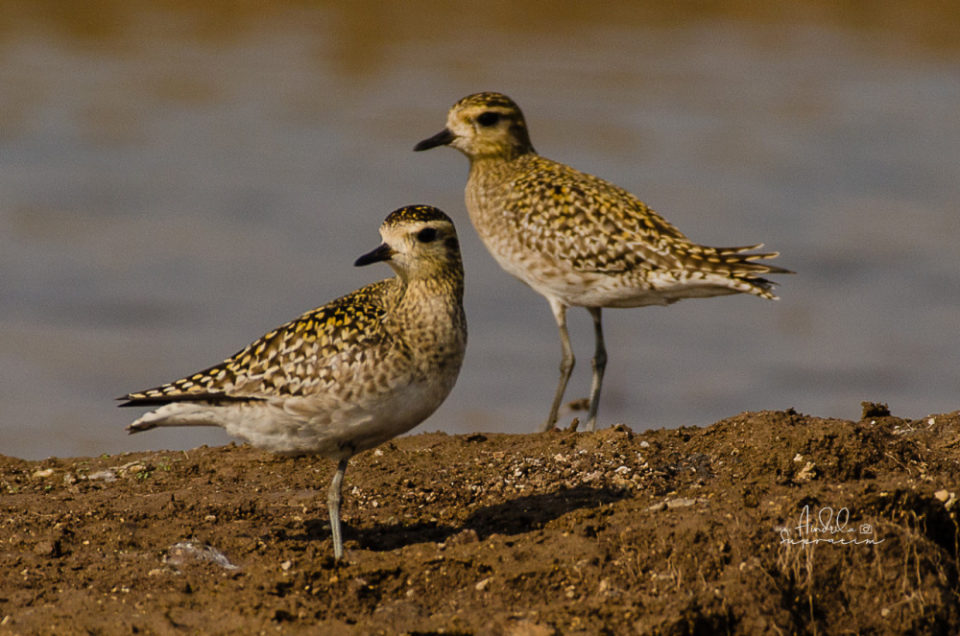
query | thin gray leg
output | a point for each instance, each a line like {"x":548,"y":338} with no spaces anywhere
{"x":599,"y":364}
{"x":333,"y":506}
{"x":566,"y":363}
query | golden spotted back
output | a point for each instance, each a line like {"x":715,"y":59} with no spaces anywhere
{"x":294,"y":359}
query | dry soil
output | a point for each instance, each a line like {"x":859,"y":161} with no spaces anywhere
{"x":770,"y":522}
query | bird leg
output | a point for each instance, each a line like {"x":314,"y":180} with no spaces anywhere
{"x":566,"y":363}
{"x":333,"y":506}
{"x":599,"y":363}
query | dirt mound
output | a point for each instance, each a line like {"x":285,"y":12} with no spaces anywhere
{"x":763,"y":522}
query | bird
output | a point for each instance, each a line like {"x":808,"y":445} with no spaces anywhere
{"x":346,"y":376}
{"x":578,"y":240}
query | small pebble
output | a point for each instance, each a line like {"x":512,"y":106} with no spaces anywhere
{"x":102,"y":475}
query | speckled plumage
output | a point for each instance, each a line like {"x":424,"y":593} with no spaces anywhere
{"x":576,"y":239}
{"x":287,"y":361}
{"x":346,"y":376}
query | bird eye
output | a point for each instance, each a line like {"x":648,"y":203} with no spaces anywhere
{"x":488,"y":118}
{"x":426,"y":235}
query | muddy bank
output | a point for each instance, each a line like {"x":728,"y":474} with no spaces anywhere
{"x":763,"y":522}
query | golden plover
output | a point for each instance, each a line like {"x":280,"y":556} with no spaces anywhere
{"x":579,"y":240}
{"x":346,"y":376}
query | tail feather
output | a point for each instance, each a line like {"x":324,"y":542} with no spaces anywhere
{"x":743,"y":266}
{"x":724,"y":251}
{"x":743,"y":260}
{"x":149,"y":399}
{"x":761,"y":287}
{"x":177,"y":414}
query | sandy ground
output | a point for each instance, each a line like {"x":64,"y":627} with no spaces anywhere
{"x":770,"y":522}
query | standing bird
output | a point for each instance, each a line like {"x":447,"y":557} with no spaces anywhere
{"x":346,"y":376}
{"x":579,"y":240}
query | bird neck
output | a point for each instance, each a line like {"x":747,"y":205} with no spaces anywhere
{"x":431,"y":314}
{"x":427,"y":293}
{"x":493,"y":170}
{"x":500,"y":154}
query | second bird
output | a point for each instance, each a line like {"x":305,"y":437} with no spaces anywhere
{"x":576,"y":239}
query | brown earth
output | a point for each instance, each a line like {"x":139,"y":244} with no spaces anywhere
{"x":668,"y":531}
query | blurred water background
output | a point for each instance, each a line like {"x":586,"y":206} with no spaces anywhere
{"x":176,"y":178}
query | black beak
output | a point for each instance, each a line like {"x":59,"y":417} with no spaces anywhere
{"x":442,"y":138}
{"x":382,"y":253}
